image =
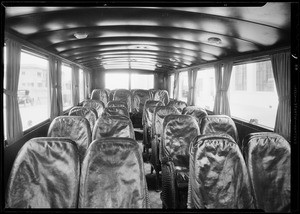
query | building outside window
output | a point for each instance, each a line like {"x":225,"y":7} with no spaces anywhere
{"x":183,"y":89}
{"x":66,"y":86}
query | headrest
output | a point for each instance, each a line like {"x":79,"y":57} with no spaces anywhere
{"x":96,"y":104}
{"x":45,"y":174}
{"x":149,"y":107}
{"x":180,"y":105}
{"x":162,"y":95}
{"x":76,"y":128}
{"x":195,"y":111}
{"x":117,"y":110}
{"x":100,"y":94}
{"x":113,"y":175}
{"x":87,"y":112}
{"x":139,"y":99}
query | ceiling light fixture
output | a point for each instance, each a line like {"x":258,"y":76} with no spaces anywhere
{"x":80,"y":35}
{"x":172,"y":59}
{"x":159,"y":65}
{"x":98,"y":57}
{"x":214,"y":40}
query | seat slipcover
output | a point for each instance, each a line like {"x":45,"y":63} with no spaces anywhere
{"x":125,"y":96}
{"x":117,"y":103}
{"x":76,"y":128}
{"x":100,"y":94}
{"x":96,"y":104}
{"x":116,"y":110}
{"x":219,"y":123}
{"x":196,"y":112}
{"x":178,"y":133}
{"x":268,"y":159}
{"x":180,"y":105}
{"x":87,"y":112}
{"x":139,"y":99}
{"x":113,"y":126}
{"x":159,"y":114}
{"x":45,"y":174}
{"x":149,"y":107}
{"x":161,"y":95}
{"x":113,"y":175}
{"x":218,"y":176}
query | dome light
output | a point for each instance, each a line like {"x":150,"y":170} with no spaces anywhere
{"x":80,"y":35}
{"x":214,"y":40}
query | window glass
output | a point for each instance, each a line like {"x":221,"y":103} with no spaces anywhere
{"x":33,"y":87}
{"x":116,"y":81}
{"x":254,"y":99}
{"x":183,"y":86}
{"x":142,"y":81}
{"x":66,"y":86}
{"x":81,"y":86}
{"x":205,"y":88}
{"x":171,"y":85}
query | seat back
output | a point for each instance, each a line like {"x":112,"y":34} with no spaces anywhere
{"x":218,"y":174}
{"x":45,"y":174}
{"x":148,"y":111}
{"x":117,"y":110}
{"x":219,"y":123}
{"x":76,"y":128}
{"x":151,"y":93}
{"x":113,"y":126}
{"x":100,"y":94}
{"x":89,"y":113}
{"x":161,"y":95}
{"x":125,"y":96}
{"x":196,"y":112}
{"x":117,"y":103}
{"x":139,"y":99}
{"x":268,"y":159}
{"x":180,"y":105}
{"x":178,"y":132}
{"x":96,"y":104}
{"x":111,"y":94}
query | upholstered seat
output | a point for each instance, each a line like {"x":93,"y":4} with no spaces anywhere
{"x":178,"y":132}
{"x":218,"y":174}
{"x":96,"y":104}
{"x":160,"y":112}
{"x":116,"y":110}
{"x":139,"y":99}
{"x":161,"y":95}
{"x":117,"y":103}
{"x":76,"y":128}
{"x":268,"y":159}
{"x":87,"y":112}
{"x":45,"y":174}
{"x":180,"y":105}
{"x":196,"y":112}
{"x":219,"y":123}
{"x":113,"y":175}
{"x":100,"y":94}
{"x":125,"y":96}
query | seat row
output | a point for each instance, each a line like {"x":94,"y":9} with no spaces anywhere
{"x":48,"y":173}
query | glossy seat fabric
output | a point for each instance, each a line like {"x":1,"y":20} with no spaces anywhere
{"x":89,"y":113}
{"x":268,"y":158}
{"x":111,"y":94}
{"x":117,"y":103}
{"x":219,"y":123}
{"x":180,"y":105}
{"x":117,"y":110}
{"x":218,"y":176}
{"x":178,"y":133}
{"x":195,"y":111}
{"x":76,"y":128}
{"x":161,"y":95}
{"x":151,"y":93}
{"x":113,"y":126}
{"x":45,"y":174}
{"x":100,"y":94}
{"x":96,"y":104}
{"x":159,"y":114}
{"x":139,"y":99}
{"x":113,"y":175}
{"x":148,"y":111}
{"x":125,"y":96}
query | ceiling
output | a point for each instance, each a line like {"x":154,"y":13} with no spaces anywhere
{"x":156,"y":39}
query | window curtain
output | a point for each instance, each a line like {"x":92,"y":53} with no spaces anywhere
{"x":59,"y":93}
{"x":87,"y":82}
{"x":194,"y":87}
{"x":55,"y":87}
{"x":176,"y":86}
{"x":14,"y":128}
{"x":75,"y":85}
{"x":282,"y":76}
{"x":191,"y":85}
{"x":222,"y":80}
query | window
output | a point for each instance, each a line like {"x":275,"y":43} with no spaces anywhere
{"x":239,"y":74}
{"x":171,"y":85}
{"x":66,"y":86}
{"x":116,"y":81}
{"x":81,"y":86}
{"x":33,"y":98}
{"x":205,"y":88}
{"x":183,"y":86}
{"x":142,"y":81}
{"x":257,"y":102}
